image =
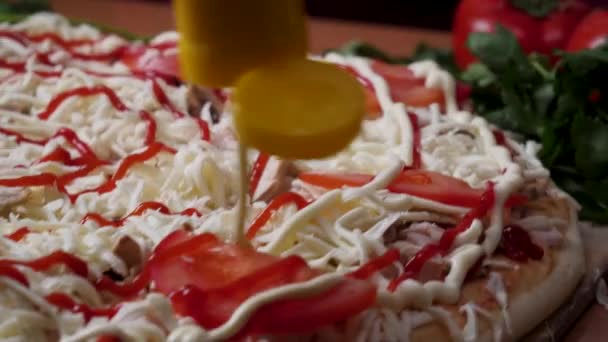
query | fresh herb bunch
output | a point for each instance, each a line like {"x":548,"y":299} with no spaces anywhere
{"x":564,"y":106}
{"x":16,"y":7}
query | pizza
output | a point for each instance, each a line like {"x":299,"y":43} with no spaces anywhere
{"x":119,"y":186}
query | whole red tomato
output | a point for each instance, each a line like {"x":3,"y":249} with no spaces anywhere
{"x":591,"y":32}
{"x":535,"y":34}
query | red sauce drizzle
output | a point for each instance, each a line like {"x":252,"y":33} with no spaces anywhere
{"x":62,"y":156}
{"x":58,"y":155}
{"x":77,"y":266}
{"x":65,"y":302}
{"x":164,"y":101}
{"x":164,"y":45}
{"x":275,"y":204}
{"x":18,"y":234}
{"x":60,"y":300}
{"x":125,"y":165}
{"x":56,"y":258}
{"x":14,"y":66}
{"x":517,"y":245}
{"x":20,"y":137}
{"x":126,"y":289}
{"x":15,"y":36}
{"x":10,"y":271}
{"x":256,"y":172}
{"x":82,"y":91}
{"x":19,"y":67}
{"x":416,"y":159}
{"x":88,"y":156}
{"x":414,"y":265}
{"x":151,"y":132}
{"x":143,"y":207}
{"x":110,"y":55}
{"x":55,"y":38}
{"x":368,"y":269}
{"x":70,"y":45}
{"x":92,"y":162}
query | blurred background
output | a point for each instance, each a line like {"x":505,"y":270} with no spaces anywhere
{"x":431,"y":14}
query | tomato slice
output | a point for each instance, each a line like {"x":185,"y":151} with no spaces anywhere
{"x":420,"y":183}
{"x":298,"y":315}
{"x":171,"y":240}
{"x":405,"y":87}
{"x":395,"y":74}
{"x":204,"y":262}
{"x":419,"y":96}
{"x":218,"y":304}
{"x":208,"y":280}
{"x":373,"y":110}
{"x":335,"y":180}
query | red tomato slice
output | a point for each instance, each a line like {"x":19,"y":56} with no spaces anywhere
{"x":419,"y":96}
{"x":299,"y":315}
{"x":396,"y":74}
{"x":207,"y":280}
{"x":405,"y":87}
{"x":172,"y":239}
{"x":335,"y":180}
{"x":421,"y":183}
{"x":216,"y":306}
{"x":372,"y":106}
{"x":204,"y":262}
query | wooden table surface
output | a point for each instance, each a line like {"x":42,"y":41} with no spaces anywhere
{"x":151,"y":18}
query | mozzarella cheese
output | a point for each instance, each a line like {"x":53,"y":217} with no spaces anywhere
{"x":341,"y":230}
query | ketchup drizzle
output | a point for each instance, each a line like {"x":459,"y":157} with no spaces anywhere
{"x":14,"y":66}
{"x":256,"y":172}
{"x":164,"y":101}
{"x":81,"y":91}
{"x":368,"y":269}
{"x":125,"y":165}
{"x":141,"y":208}
{"x":65,"y":302}
{"x":275,"y":204}
{"x":72,"y":262}
{"x":414,"y":264}
{"x":10,"y":271}
{"x":19,"y":67}
{"x":55,"y":38}
{"x":18,"y":234}
{"x":68,"y":45}
{"x":15,"y":36}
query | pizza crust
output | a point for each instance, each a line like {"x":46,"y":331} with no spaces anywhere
{"x":532,"y":302}
{"x":531,"y":308}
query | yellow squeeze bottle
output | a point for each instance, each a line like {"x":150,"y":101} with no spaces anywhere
{"x":283,"y":103}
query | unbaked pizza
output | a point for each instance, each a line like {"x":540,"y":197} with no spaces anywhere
{"x":119,"y":188}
